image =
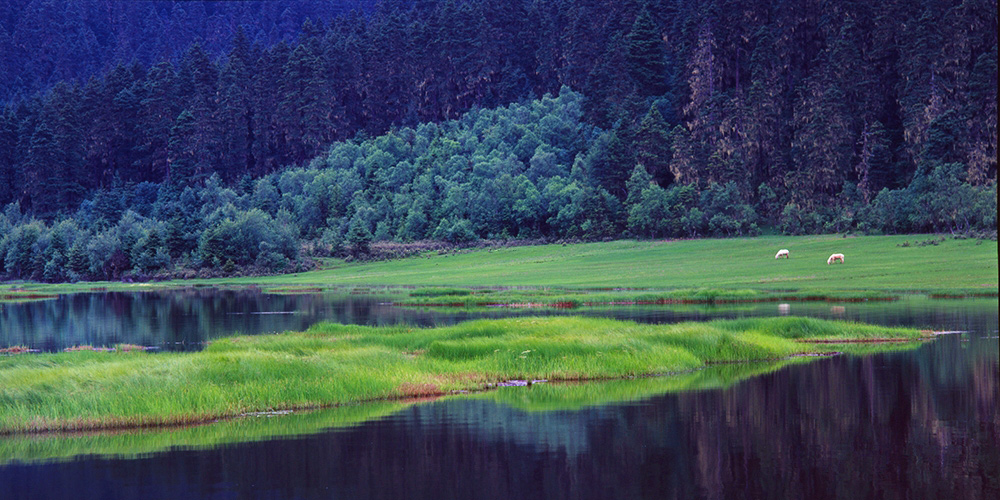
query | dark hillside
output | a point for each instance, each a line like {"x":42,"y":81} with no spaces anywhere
{"x":46,"y":41}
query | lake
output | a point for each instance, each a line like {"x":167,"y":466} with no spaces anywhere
{"x":917,"y":423}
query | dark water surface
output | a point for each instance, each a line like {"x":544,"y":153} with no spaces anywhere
{"x":183,"y":319}
{"x":921,"y":423}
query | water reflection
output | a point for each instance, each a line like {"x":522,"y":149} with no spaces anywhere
{"x":183,"y":319}
{"x":912,"y":424}
{"x":900,"y":425}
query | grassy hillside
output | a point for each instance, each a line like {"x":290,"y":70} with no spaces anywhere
{"x":906,"y":262}
{"x":870,"y":262}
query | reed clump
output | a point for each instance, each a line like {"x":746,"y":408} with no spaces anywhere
{"x":334,"y":364}
{"x":15,"y":296}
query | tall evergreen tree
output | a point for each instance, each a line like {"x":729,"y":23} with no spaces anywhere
{"x":236,"y":111}
{"x":873,"y":160}
{"x":159,"y":106}
{"x":647,"y":55}
{"x":982,"y":134}
{"x":652,"y":146}
{"x":185,"y":164}
{"x":8,"y":163}
{"x":54,"y":164}
{"x":306,"y":105}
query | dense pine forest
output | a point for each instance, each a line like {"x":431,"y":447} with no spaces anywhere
{"x":151,"y":139}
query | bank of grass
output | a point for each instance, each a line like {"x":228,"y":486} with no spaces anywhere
{"x":336,"y":364}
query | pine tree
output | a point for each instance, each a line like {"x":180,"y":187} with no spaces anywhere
{"x":639,"y":181}
{"x":184,"y":163}
{"x":54,"y":162}
{"x":873,"y":160}
{"x":764,"y":107}
{"x":612,"y":173}
{"x":198,"y":79}
{"x":609,"y":98}
{"x":8,"y":164}
{"x":359,"y":237}
{"x":826,"y":125}
{"x":652,"y":146}
{"x":647,"y":55}
{"x":306,"y":106}
{"x":982,"y":135}
{"x":702,"y":112}
{"x":159,"y":106}
{"x":236,"y":111}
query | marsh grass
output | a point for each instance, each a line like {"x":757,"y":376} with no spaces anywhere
{"x":336,"y":364}
{"x":440,"y":292}
{"x":560,"y":298}
{"x":962,"y":293}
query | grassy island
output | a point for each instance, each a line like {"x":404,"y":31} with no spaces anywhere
{"x":334,"y":364}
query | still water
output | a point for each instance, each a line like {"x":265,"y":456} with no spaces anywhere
{"x":921,"y":423}
{"x":184,"y":319}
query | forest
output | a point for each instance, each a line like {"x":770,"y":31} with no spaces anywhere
{"x":267,"y":133}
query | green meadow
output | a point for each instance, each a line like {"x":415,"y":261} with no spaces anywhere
{"x":871,"y":262}
{"x":899,"y":263}
{"x":333,"y":364}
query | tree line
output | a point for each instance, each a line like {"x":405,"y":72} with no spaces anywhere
{"x":525,"y":171}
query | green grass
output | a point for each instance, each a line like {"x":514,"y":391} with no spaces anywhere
{"x":872,"y":263}
{"x":130,"y":443}
{"x":441,"y":292}
{"x":573,"y":298}
{"x":335,"y":364}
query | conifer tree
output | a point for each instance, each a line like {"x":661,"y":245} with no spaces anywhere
{"x":236,"y":111}
{"x":647,"y":55}
{"x":652,"y":146}
{"x":159,"y":106}
{"x":184,"y":163}
{"x":8,"y":164}
{"x":873,"y":160}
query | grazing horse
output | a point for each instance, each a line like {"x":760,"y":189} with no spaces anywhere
{"x":781,"y":253}
{"x":835,"y":257}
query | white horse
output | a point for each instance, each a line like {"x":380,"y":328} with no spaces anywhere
{"x":781,"y":253}
{"x":835,"y":257}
